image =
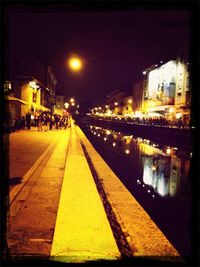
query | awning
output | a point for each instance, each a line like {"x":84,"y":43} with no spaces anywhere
{"x":39,"y":107}
{"x":12,"y":98}
{"x":154,"y":114}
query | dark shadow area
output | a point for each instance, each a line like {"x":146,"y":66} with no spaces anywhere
{"x":15,"y":180}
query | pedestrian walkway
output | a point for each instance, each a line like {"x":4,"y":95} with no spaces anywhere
{"x":34,"y":202}
{"x":58,"y":212}
{"x":82,"y":231}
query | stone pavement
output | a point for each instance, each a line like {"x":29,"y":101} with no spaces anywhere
{"x":58,"y":211}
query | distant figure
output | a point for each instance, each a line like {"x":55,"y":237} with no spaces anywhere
{"x":65,"y":122}
{"x":56,"y":121}
{"x":39,"y":123}
{"x":23,"y":121}
{"x":47,"y":121}
{"x":28,"y":120}
{"x":51,"y":122}
{"x":16,"y":125}
{"x":180,"y":124}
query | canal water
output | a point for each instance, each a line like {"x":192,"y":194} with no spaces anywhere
{"x":156,"y":175}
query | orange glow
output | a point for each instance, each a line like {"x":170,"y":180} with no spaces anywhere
{"x":75,"y":63}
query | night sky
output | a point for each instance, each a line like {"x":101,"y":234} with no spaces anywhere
{"x":116,"y":45}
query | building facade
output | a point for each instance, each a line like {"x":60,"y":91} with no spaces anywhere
{"x":24,"y":97}
{"x":60,"y":101}
{"x":128,"y":105}
{"x":33,"y":87}
{"x":168,"y":91}
{"x":138,"y":96}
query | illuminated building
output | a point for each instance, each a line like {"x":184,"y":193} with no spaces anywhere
{"x":183,"y":92}
{"x":59,"y":103}
{"x":33,"y":89}
{"x":168,"y":91}
{"x":115,"y":101}
{"x":127,"y":105}
{"x":139,"y":88}
{"x":25,"y":97}
{"x":51,"y":85}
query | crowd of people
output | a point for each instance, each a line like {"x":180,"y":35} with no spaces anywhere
{"x":156,"y":121}
{"x":44,"y":121}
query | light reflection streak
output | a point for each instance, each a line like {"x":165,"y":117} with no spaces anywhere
{"x":161,"y":164}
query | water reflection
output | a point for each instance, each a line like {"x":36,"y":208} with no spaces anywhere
{"x":156,"y":175}
{"x":164,"y":169}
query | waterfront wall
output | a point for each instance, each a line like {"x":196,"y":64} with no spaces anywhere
{"x":170,"y":136}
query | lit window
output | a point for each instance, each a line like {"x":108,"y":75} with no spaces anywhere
{"x":34,"y":97}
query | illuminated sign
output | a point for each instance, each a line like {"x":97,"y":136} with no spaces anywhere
{"x":33,"y":85}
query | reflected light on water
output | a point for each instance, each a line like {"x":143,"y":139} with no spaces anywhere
{"x":168,"y":151}
{"x":108,"y":132}
{"x":155,"y":173}
{"x":127,"y":151}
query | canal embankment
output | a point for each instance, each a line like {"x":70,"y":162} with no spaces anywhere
{"x":142,"y":235}
{"x":171,"y":136}
{"x":97,"y":217}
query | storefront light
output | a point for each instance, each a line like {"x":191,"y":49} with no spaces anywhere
{"x":178,"y":115}
{"x":127,"y":151}
{"x":168,"y":151}
{"x":33,"y":85}
{"x":108,"y":132}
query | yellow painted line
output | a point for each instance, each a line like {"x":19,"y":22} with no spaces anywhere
{"x":143,"y":235}
{"x":82,"y":232}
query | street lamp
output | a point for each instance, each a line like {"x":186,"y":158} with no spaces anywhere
{"x":75,"y":63}
{"x":72,"y":100}
{"x":66,"y":105}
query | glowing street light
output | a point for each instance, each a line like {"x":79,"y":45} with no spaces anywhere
{"x":75,"y":63}
{"x":72,"y":100}
{"x":66,"y":105}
